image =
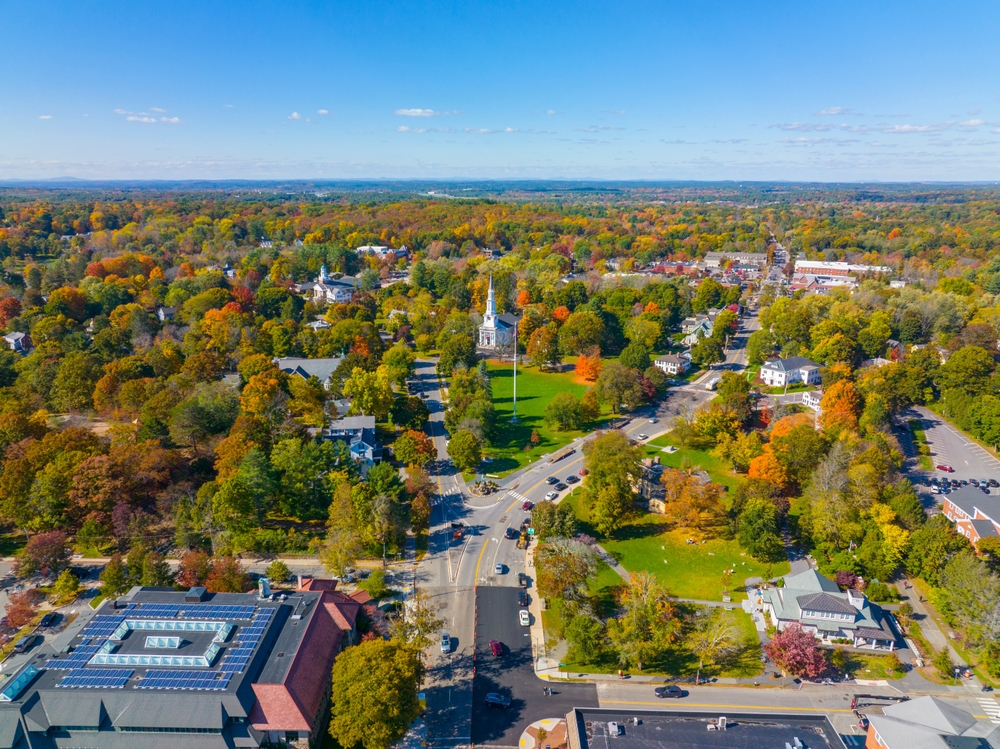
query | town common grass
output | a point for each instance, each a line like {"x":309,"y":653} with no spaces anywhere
{"x":693,"y":571}
{"x":718,"y":470}
{"x":535,"y":389}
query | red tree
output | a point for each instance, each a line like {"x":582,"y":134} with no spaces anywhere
{"x":21,"y":608}
{"x":45,"y":553}
{"x":194,"y":569}
{"x":10,"y":308}
{"x":796,"y":651}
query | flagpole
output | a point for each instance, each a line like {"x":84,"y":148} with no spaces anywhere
{"x":513,"y":419}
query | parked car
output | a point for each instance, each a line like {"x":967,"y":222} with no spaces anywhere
{"x":670,"y":691}
{"x":560,"y":486}
{"x":551,"y":480}
{"x":496,"y":648}
{"x":445,"y":642}
{"x":522,"y":598}
{"x":571,"y":479}
{"x":49,"y":619}
{"x":527,"y":505}
{"x":653,"y":420}
{"x":994,"y":482}
{"x":25,"y":643}
{"x":524,"y":618}
{"x":498,"y":568}
{"x":497,"y":700}
{"x":584,"y":471}
{"x":643,"y":436}
{"x":552,"y":495}
{"x":946,"y":469}
{"x":510,"y":533}
{"x":522,"y":580}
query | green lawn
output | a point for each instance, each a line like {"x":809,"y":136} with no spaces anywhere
{"x":718,"y":470}
{"x":534,"y":391}
{"x":689,"y":570}
{"x":683,"y":660}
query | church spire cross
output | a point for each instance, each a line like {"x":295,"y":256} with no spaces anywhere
{"x":491,"y":305}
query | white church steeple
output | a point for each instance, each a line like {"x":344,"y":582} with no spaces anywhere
{"x":491,"y":304}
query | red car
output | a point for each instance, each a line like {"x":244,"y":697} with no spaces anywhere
{"x":946,"y":469}
{"x":528,"y":504}
{"x":496,"y":648}
{"x":584,"y":471}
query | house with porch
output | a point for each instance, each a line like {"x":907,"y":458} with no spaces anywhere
{"x":673,"y":364}
{"x":820,"y":607}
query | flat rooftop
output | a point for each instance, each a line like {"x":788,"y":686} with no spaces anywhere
{"x":689,"y":730}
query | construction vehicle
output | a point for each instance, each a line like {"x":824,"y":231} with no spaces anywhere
{"x":522,"y":541}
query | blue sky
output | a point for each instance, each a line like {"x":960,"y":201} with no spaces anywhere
{"x":700,"y":89}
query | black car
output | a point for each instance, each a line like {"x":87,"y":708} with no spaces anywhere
{"x":571,"y":479}
{"x":49,"y":619}
{"x":522,"y":579}
{"x":994,"y":482}
{"x":497,"y":700}
{"x":25,"y":643}
{"x":560,"y":486}
{"x":522,"y":598}
{"x":511,"y":533}
{"x":669,"y":691}
{"x":551,"y":480}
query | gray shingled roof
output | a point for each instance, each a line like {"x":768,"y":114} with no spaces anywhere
{"x":824,"y":602}
{"x":969,"y":498}
{"x":792,"y":362}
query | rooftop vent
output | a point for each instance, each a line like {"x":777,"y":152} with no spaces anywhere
{"x":195,"y":594}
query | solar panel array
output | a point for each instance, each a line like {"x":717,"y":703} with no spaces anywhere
{"x":112,"y":678}
{"x":235,"y":659}
{"x":172,"y":679}
{"x":102,"y":626}
{"x":77,"y":659}
{"x":157,"y":610}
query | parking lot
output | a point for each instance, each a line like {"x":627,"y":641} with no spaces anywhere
{"x":512,"y":675}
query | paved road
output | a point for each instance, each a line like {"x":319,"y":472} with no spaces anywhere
{"x":513,"y":675}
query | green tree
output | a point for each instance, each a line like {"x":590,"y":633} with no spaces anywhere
{"x":761,"y":346}
{"x":375,"y":687}
{"x":465,"y":450}
{"x":73,"y":387}
{"x":582,"y":331}
{"x":67,"y":586}
{"x":968,"y":369}
{"x":585,"y":635}
{"x":759,"y":531}
{"x":635,"y":356}
{"x":113,"y":578}
{"x":370,"y":392}
{"x":414,"y":448}
{"x":563,"y":567}
{"x":707,"y":351}
{"x":619,"y":386}
{"x":551,"y":520}
{"x":399,"y":360}
{"x":156,"y":571}
{"x":543,"y":347}
{"x":278,"y":572}
{"x":564,"y":412}
{"x":613,"y":469}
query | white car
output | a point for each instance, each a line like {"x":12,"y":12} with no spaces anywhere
{"x":524,"y":617}
{"x":552,"y":495}
{"x":445,"y":642}
{"x":643,"y":436}
{"x":498,"y":568}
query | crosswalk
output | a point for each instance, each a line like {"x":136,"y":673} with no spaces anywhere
{"x":517,"y":495}
{"x":991,"y":707}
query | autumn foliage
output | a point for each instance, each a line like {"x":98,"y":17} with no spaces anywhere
{"x":588,"y":367}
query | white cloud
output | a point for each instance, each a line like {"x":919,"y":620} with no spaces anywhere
{"x":157,"y":110}
{"x":613,"y":111}
{"x":479,"y":131}
{"x":598,"y":128}
{"x":907,"y":129}
{"x":171,"y":120}
{"x":832,"y":111}
{"x":45,"y":116}
{"x":422,"y":113}
{"x":551,"y":112}
{"x":121,"y":111}
{"x":227,"y":106}
{"x":295,"y":116}
{"x":322,"y":111}
{"x":972,"y":123}
{"x":139,"y":118}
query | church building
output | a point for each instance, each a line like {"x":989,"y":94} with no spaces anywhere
{"x":497,"y":331}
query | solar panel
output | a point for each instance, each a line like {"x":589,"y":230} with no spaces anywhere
{"x":172,"y":679}
{"x":156,"y":610}
{"x":102,"y":626}
{"x":77,"y":659}
{"x":111,"y":678}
